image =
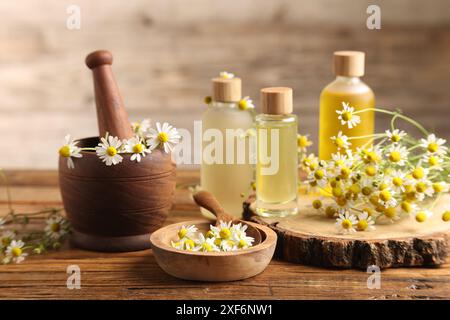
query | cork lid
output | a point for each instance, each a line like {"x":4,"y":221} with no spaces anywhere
{"x":276,"y":100}
{"x":349,"y":63}
{"x":227,"y":89}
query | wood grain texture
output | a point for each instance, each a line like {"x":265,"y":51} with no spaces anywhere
{"x":167,"y":51}
{"x":136,"y":275}
{"x":310,"y":238}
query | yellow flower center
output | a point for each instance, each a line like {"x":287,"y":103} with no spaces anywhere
{"x":433,"y":161}
{"x":206,"y":247}
{"x":346,"y":224}
{"x":433,"y":147}
{"x":366,"y":191}
{"x":302,"y":141}
{"x":55,"y":227}
{"x":337,"y":192}
{"x":182,"y":233}
{"x":225,"y":233}
{"x":189,"y":244}
{"x":369,"y":211}
{"x":383,"y":186}
{"x":137,"y":148}
{"x":385,"y":195}
{"x":421,"y":187}
{"x":319,"y":174}
{"x":438,"y":187}
{"x":374,"y":200}
{"x":163,"y":137}
{"x":362,"y":225}
{"x":345,"y":172}
{"x":421,"y":216}
{"x":243,"y":105}
{"x":218,"y":241}
{"x":371,"y":171}
{"x":111,"y":151}
{"x":346,"y":116}
{"x":398,"y":182}
{"x":355,"y":188}
{"x":395,"y":138}
{"x":64,"y":151}
{"x":330,"y":212}
{"x":390,"y":212}
{"x":395,"y":156}
{"x":317,"y":204}
{"x":418,"y":173}
{"x":16,"y":252}
{"x":340,"y":142}
{"x":446,"y":216}
{"x":242,"y":243}
{"x":210,"y":234}
{"x":341,"y":201}
{"x":406,"y":206}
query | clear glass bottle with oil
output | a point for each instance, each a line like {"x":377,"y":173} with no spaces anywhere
{"x":347,"y":88}
{"x":277,"y":159}
{"x":229,"y":173}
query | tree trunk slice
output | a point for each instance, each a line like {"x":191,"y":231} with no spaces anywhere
{"x":311,"y":238}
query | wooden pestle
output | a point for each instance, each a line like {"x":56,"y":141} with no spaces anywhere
{"x":111,"y":114}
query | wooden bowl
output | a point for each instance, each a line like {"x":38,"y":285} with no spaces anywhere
{"x":212,"y":266}
{"x":116,"y":208}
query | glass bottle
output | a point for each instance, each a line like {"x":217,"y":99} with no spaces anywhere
{"x":346,"y":88}
{"x":276,"y":164}
{"x":228,"y":174}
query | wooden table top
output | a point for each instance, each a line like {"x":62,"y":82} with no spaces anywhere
{"x":137,"y":276}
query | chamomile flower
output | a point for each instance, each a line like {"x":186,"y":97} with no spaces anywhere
{"x":423,"y":188}
{"x":397,"y":154}
{"x":6,"y":237}
{"x":187,"y":232}
{"x":205,"y":244}
{"x":108,"y":150}
{"x":246,"y":103}
{"x":346,"y":222}
{"x":165,"y":135}
{"x":387,"y":198}
{"x":15,"y":251}
{"x":398,"y":180}
{"x":239,"y":229}
{"x":341,"y":160}
{"x":226,"y":75}
{"x":422,"y":215}
{"x":319,"y":176}
{"x":224,"y":230}
{"x":141,"y":128}
{"x":347,"y":116}
{"x":137,"y":148}
{"x":440,"y":187}
{"x":434,"y":145}
{"x":56,"y":227}
{"x":341,"y":141}
{"x":303,"y":142}
{"x":70,"y":150}
{"x":391,"y":214}
{"x":395,"y":135}
{"x":309,"y":161}
{"x":242,"y":240}
{"x":226,"y":244}
{"x":365,"y":222}
{"x":370,"y":155}
{"x":434,"y":161}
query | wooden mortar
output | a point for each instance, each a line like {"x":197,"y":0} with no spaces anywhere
{"x":115,"y":208}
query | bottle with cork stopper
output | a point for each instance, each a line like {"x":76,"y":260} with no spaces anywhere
{"x":347,"y":91}
{"x":277,"y":159}
{"x":226,"y":169}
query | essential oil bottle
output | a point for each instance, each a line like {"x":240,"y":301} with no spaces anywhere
{"x":229,"y":175}
{"x":276,"y":166}
{"x":346,"y":88}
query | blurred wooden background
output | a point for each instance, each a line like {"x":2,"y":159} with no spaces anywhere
{"x":167,"y":50}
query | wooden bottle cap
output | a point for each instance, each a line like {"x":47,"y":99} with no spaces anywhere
{"x":276,"y":100}
{"x":349,"y":63}
{"x":227,"y":90}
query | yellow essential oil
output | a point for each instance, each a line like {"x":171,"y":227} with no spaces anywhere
{"x":277,"y":159}
{"x":347,"y":88}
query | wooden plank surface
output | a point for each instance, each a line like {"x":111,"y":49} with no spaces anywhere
{"x":137,"y":276}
